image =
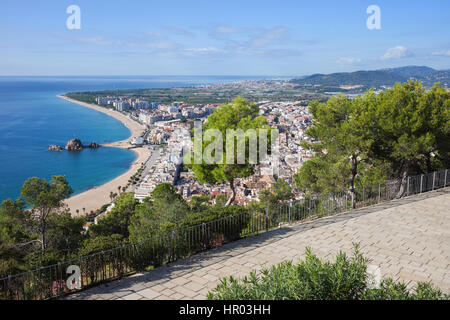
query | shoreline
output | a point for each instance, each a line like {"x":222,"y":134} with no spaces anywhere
{"x":97,"y":196}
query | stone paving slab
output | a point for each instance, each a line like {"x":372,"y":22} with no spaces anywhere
{"x":408,"y":239}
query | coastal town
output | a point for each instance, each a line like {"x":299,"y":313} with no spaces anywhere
{"x":161,"y":121}
{"x":237,"y":153}
{"x":168,"y":131}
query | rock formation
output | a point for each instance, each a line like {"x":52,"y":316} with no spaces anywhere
{"x":55,"y":148}
{"x":74,"y":145}
{"x":92,"y":145}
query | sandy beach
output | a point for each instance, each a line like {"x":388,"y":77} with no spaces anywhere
{"x":94,"y":198}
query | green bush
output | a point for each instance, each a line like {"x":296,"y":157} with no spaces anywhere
{"x":95,"y":260}
{"x":313,"y":279}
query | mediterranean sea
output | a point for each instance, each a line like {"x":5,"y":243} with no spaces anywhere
{"x":32,"y":118}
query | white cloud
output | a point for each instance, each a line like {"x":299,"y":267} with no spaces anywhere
{"x":97,"y":40}
{"x":180,"y":31}
{"x":398,"y":52}
{"x":444,"y":53}
{"x":269,"y":36}
{"x":347,"y":60}
{"x":138,"y":42}
{"x":201,"y":51}
{"x":228,"y":29}
{"x":224,"y":32}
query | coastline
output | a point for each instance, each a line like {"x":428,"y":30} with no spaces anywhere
{"x":96,"y":197}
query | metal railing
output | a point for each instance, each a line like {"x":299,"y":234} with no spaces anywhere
{"x":50,"y":281}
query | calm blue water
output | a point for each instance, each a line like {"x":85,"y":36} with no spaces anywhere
{"x":32,"y":118}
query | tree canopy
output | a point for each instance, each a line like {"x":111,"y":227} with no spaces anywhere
{"x":281,"y":191}
{"x":239,"y":114}
{"x":401,"y":131}
{"x":44,"y":198}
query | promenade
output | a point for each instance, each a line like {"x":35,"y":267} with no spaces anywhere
{"x":408,"y":239}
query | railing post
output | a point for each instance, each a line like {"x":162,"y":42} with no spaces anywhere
{"x":173,"y":245}
{"x":421,"y":182}
{"x":204,"y":234}
{"x":379,"y":192}
{"x":290,"y":208}
{"x":103,"y":264}
{"x":267,"y":218}
{"x":9,"y":288}
{"x":445,"y":178}
{"x":434,"y":179}
{"x":59,"y":280}
{"x":407,"y":186}
{"x":329,"y":204}
{"x":363,"y":197}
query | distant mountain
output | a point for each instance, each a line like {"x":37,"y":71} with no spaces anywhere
{"x":374,"y":79}
{"x":419,"y":72}
{"x":365,"y":78}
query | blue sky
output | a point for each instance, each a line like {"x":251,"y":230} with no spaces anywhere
{"x":286,"y":38}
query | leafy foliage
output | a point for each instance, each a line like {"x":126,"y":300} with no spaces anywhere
{"x":313,"y":279}
{"x":279,"y":192}
{"x":401,"y":131}
{"x":44,"y":197}
{"x":100,"y":243}
{"x":159,"y":215}
{"x":118,"y":220}
{"x":237,"y":115}
{"x":168,"y":212}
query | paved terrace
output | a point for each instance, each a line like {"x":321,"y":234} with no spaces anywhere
{"x":408,"y":239}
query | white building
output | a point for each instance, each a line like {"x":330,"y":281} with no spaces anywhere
{"x":122,"y":106}
{"x":137,"y":141}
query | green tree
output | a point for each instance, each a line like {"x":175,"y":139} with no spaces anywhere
{"x":198,"y":203}
{"x":13,"y":222}
{"x":341,"y":141}
{"x":438,"y":99}
{"x":11,"y":260}
{"x":15,"y":237}
{"x":65,"y":233}
{"x":237,"y":115}
{"x":118,"y":219}
{"x":221,"y":200}
{"x":279,"y":192}
{"x":100,"y":243}
{"x":412,"y":127}
{"x":97,"y":264}
{"x":38,"y":259}
{"x":43,"y":198}
{"x":165,"y":191}
{"x":159,"y":214}
{"x":323,"y":173}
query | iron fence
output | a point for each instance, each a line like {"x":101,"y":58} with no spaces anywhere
{"x":51,"y":281}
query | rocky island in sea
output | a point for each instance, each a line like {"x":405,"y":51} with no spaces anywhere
{"x":74,"y":145}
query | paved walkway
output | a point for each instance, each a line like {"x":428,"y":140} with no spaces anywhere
{"x":407,"y":239}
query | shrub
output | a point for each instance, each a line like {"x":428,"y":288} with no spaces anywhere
{"x":94,"y":259}
{"x":313,"y":279}
{"x":150,"y":253}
